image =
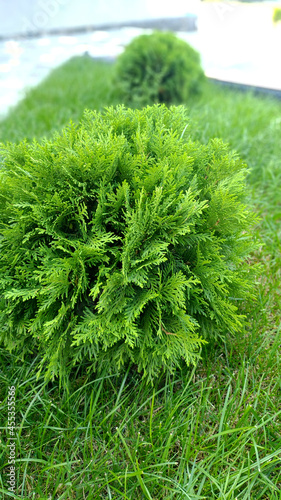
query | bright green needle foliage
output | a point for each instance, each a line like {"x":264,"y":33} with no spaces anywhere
{"x":122,"y":241}
{"x":158,"y":68}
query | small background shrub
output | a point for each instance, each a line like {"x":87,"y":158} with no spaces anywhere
{"x":276,"y":14}
{"x":122,"y":241}
{"x":158,"y":68}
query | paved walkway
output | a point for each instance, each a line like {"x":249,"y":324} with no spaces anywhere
{"x":237,"y":43}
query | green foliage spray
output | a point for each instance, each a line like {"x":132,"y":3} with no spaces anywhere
{"x":122,"y":241}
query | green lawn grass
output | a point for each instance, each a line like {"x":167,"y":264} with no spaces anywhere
{"x":80,"y":83}
{"x":209,"y":433}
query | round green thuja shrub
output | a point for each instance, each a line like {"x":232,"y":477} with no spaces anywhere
{"x":158,"y":68}
{"x":121,"y":240}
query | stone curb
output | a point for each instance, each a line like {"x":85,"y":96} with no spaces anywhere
{"x":186,"y":23}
